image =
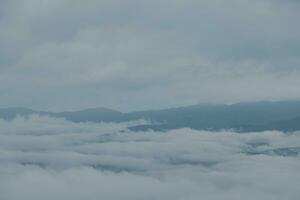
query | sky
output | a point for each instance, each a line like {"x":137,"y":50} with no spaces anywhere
{"x":51,"y":158}
{"x":135,"y":55}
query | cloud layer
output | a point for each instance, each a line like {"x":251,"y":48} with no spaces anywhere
{"x":72,"y":54}
{"x":50,"y":158}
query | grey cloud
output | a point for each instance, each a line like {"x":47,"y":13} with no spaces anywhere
{"x":53,"y":51}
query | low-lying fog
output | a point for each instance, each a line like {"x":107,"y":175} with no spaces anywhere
{"x":50,"y":158}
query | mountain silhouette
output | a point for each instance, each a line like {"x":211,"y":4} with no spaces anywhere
{"x":243,"y":117}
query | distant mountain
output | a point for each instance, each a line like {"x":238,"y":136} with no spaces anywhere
{"x":243,"y":117}
{"x":92,"y":115}
{"x":11,"y":113}
{"x":286,"y":125}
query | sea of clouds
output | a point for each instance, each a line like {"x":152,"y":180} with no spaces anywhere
{"x":50,"y":158}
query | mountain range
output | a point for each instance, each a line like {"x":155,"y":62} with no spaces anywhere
{"x":242,"y":117}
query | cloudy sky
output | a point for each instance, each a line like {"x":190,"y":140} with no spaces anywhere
{"x":132,"y":55}
{"x":50,"y":158}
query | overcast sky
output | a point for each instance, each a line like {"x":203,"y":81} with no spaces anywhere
{"x":133,"y":55}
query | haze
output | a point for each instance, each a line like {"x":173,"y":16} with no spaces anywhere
{"x":149,"y":100}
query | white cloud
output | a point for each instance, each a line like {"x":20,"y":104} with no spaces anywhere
{"x":49,"y":158}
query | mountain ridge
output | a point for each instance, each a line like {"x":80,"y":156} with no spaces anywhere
{"x":244,"y":117}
